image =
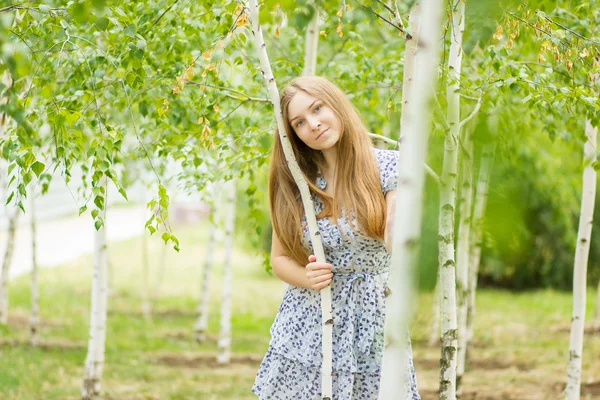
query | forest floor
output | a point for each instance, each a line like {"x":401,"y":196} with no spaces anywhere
{"x":520,"y":347}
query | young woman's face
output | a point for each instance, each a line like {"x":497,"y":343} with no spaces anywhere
{"x":314,"y":122}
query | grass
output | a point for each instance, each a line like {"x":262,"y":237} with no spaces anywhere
{"x":520,"y":349}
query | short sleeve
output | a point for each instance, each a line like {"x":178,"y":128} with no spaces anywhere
{"x":387,"y":162}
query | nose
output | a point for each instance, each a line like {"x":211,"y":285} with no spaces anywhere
{"x":314,"y":123}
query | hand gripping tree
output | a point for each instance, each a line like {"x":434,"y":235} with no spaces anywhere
{"x":327,"y":319}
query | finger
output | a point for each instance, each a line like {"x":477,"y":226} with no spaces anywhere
{"x":312,"y":258}
{"x":314,"y":266}
{"x":322,"y":285}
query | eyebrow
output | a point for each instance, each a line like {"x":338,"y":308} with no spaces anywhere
{"x":309,"y":107}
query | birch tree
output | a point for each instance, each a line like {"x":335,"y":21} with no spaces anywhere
{"x":94,"y":362}
{"x":311,"y":45}
{"x":224,"y":342}
{"x":481,"y":192}
{"x":448,"y":321}
{"x":463,"y":242}
{"x":596,"y":324}
{"x":326,"y":315}
{"x":146,"y":307}
{"x":422,"y":49}
{"x":7,"y":82}
{"x":34,"y":320}
{"x":201,"y":325}
{"x":6,"y":263}
{"x":586,"y":217}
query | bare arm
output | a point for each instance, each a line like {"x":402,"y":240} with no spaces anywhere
{"x":388,"y":235}
{"x":313,"y":276}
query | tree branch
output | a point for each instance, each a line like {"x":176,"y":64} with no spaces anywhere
{"x":385,"y":19}
{"x":246,"y":97}
{"x":387,"y":140}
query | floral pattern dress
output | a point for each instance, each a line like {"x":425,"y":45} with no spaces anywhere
{"x":291,"y":368}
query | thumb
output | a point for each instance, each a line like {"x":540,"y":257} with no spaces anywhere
{"x":312,"y":258}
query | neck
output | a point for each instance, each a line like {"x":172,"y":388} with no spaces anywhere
{"x":330,"y":156}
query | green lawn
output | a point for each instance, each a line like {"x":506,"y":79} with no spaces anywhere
{"x":520,"y":350}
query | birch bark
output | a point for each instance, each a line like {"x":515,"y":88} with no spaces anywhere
{"x":446,"y":258}
{"x":6,"y":262}
{"x":224,"y":343}
{"x":311,"y":45}
{"x":34,"y":320}
{"x":409,"y":195}
{"x":573,"y":390}
{"x":487,"y":159}
{"x":462,"y":252}
{"x":146,"y":307}
{"x":597,"y":313}
{"x":326,"y":316}
{"x":201,"y":325}
{"x":94,"y":362}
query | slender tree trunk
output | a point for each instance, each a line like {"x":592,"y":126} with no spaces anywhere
{"x":224,"y":343}
{"x":435,"y":333}
{"x":34,"y":321}
{"x":448,"y":320}
{"x":326,"y":316}
{"x":203,"y":307}
{"x":462,"y":253}
{"x":146,"y":306}
{"x":597,"y":313}
{"x":6,"y":262}
{"x":422,"y":50}
{"x":311,"y":45}
{"x":582,"y":251}
{"x":481,"y":192}
{"x":94,"y":362}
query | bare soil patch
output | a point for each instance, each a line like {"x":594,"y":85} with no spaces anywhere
{"x":186,"y":336}
{"x":21,"y":321}
{"x":590,"y":329}
{"x":477,"y":364}
{"x":44,"y":344}
{"x":205,"y":360}
{"x":587,"y":388}
{"x":156,"y":313}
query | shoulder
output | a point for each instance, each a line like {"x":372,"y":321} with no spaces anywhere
{"x":387,"y":162}
{"x":386,"y":159}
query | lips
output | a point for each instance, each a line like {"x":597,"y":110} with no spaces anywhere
{"x":322,"y":133}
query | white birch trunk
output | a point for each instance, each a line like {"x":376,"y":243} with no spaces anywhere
{"x":481,"y":192}
{"x":94,"y":362}
{"x":435,"y":333}
{"x":201,"y":325}
{"x":446,"y":258}
{"x":326,"y":316}
{"x":462,"y":253}
{"x":34,"y":320}
{"x":588,"y":197}
{"x":409,"y":197}
{"x":146,"y":306}
{"x":311,"y":45}
{"x":6,"y":263}
{"x":224,"y":342}
{"x":597,"y":313}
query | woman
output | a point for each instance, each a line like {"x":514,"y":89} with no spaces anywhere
{"x":353,"y":188}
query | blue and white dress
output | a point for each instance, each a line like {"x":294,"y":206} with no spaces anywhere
{"x":291,"y":368}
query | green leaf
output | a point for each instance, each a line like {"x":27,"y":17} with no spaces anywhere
{"x":82,"y":209}
{"x":94,"y":213}
{"x":99,"y":202}
{"x":123,"y":193}
{"x":10,"y":197}
{"x":98,"y":224}
{"x":166,"y":236}
{"x":152,"y":230}
{"x":38,"y":168}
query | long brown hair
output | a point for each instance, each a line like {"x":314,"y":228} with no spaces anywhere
{"x":357,"y":177}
